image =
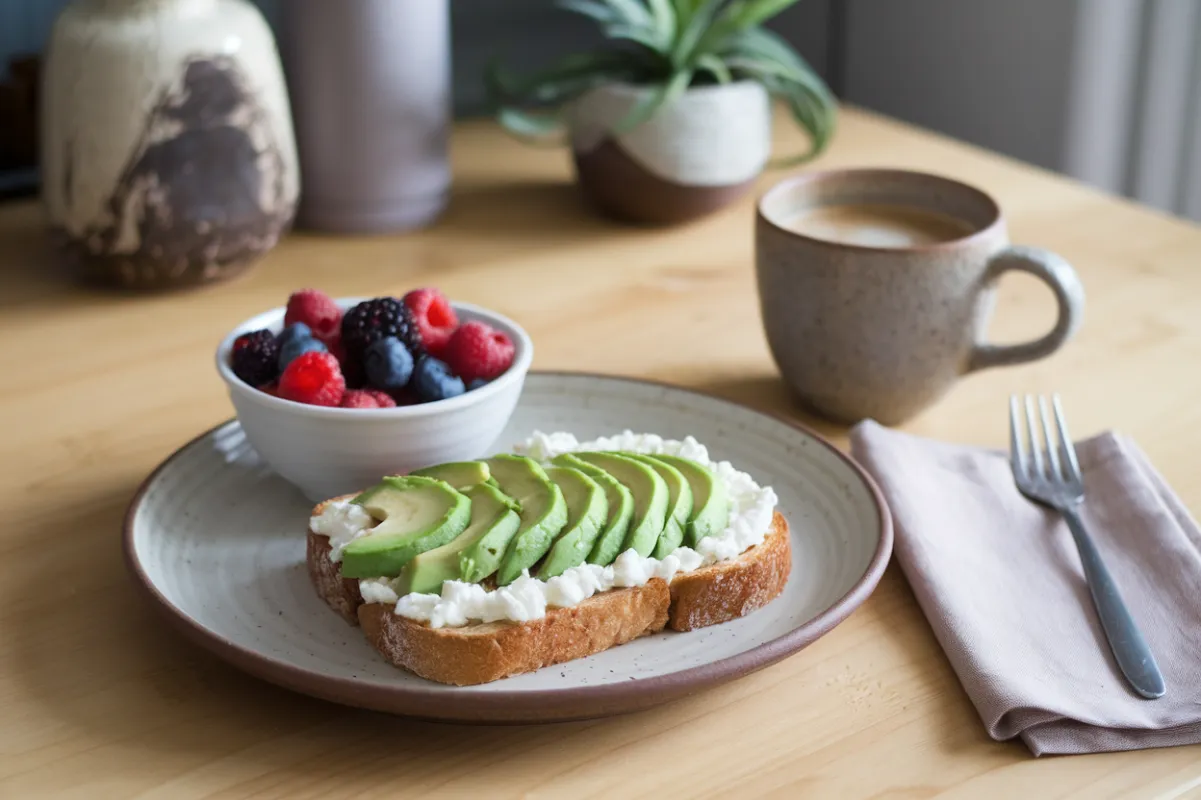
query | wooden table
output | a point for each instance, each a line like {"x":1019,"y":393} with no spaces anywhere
{"x":100,"y":699}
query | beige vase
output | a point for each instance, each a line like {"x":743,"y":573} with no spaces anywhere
{"x":692,"y":157}
{"x":167,"y":150}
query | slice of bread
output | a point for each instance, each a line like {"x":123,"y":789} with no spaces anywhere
{"x":493,"y":650}
{"x":486,"y":652}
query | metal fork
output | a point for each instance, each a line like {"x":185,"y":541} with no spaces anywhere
{"x":1051,"y":476}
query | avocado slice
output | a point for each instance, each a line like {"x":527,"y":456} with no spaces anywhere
{"x":710,"y":501}
{"x":621,"y":510}
{"x":474,"y":554}
{"x":543,"y":512}
{"x":650,"y":498}
{"x":587,"y":511}
{"x":416,"y":514}
{"x":459,"y":474}
{"x":679,"y":504}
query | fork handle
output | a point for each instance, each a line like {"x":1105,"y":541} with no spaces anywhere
{"x":1129,"y":647}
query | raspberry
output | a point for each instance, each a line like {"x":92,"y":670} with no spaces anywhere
{"x":315,"y":309}
{"x":478,"y":350}
{"x":383,"y":398}
{"x":357,"y":398}
{"x":432,"y":314}
{"x":367,"y":398}
{"x":314,"y":378}
{"x":255,"y":357}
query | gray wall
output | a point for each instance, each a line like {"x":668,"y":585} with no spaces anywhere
{"x":1107,"y":91}
{"x":994,"y":73}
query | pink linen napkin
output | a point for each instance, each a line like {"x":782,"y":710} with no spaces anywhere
{"x":1000,"y":582}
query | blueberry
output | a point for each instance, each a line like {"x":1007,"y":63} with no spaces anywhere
{"x":476,"y":383}
{"x":295,"y":346}
{"x":388,"y":363}
{"x":297,"y":330}
{"x":433,"y":380}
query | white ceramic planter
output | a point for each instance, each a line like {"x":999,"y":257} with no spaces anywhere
{"x":692,"y":157}
{"x":166,"y":140}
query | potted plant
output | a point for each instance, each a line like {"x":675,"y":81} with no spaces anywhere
{"x":670,"y":118}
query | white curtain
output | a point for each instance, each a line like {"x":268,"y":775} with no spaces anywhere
{"x":1134,"y":107}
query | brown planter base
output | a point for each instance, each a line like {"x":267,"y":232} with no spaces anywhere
{"x":621,"y":188}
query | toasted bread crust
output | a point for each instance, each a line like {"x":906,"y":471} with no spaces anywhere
{"x":730,"y":589}
{"x":481,"y":653}
{"x":340,"y":594}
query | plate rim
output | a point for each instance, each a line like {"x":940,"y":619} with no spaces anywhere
{"x":531,"y":705}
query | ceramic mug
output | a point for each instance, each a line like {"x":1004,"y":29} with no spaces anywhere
{"x":882,"y":332}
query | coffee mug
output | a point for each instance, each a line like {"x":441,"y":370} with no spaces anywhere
{"x":876,"y":287}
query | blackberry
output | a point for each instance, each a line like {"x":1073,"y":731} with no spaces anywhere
{"x":372,"y":320}
{"x":255,"y":357}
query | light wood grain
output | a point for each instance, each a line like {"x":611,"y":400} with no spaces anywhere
{"x":99,"y":699}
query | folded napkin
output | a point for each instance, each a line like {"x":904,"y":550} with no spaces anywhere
{"x":1000,"y":582}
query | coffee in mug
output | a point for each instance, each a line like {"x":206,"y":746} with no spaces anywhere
{"x":876,"y":287}
{"x":878,"y":225}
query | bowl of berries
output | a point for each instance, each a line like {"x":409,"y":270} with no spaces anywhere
{"x":334,"y":393}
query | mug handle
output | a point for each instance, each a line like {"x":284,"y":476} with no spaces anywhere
{"x":1069,"y":294}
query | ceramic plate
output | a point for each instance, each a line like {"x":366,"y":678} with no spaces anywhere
{"x":217,"y":541}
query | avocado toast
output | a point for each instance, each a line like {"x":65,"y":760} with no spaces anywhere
{"x":489,"y":623}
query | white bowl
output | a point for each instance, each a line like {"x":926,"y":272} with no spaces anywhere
{"x":331,"y":451}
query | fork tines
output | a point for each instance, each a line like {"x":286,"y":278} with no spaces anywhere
{"x":1046,"y":456}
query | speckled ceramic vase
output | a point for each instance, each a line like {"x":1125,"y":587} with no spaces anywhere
{"x":694,"y":156}
{"x":882,"y":332}
{"x":167,"y":150}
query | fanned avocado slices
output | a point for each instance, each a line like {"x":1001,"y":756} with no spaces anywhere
{"x":621,"y":510}
{"x":459,"y":474}
{"x":679,"y":504}
{"x":543,"y":512}
{"x":710,"y":501}
{"x":650,"y":498}
{"x":587,"y":510}
{"x":416,"y":514}
{"x":474,"y":554}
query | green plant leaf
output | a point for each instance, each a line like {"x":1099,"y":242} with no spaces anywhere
{"x":812,"y":112}
{"x":763,"y":43}
{"x":593,"y":9}
{"x":542,"y":129}
{"x":714,"y":65}
{"x":743,"y":14}
{"x":664,"y":14}
{"x":684,"y":8}
{"x":632,"y":12}
{"x":693,"y":32}
{"x":764,"y":68}
{"x":636,"y":33}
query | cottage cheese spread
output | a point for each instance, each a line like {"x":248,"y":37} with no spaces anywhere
{"x":527,"y":598}
{"x":343,"y":522}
